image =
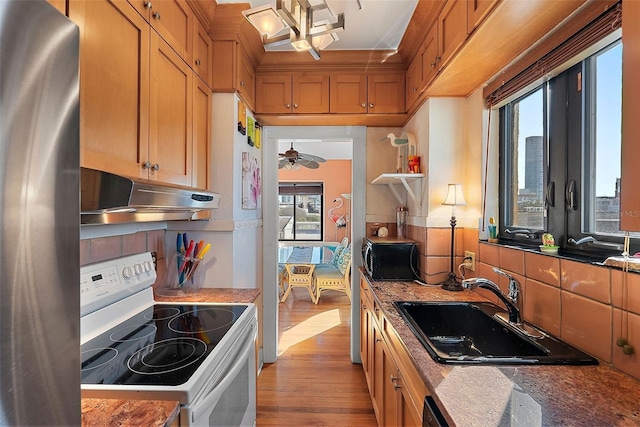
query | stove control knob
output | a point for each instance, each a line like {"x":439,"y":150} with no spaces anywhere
{"x":127,"y":273}
{"x":137,"y":269}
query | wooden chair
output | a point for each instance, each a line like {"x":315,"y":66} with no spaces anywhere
{"x":300,"y":275}
{"x":328,"y":277}
{"x":283,"y":278}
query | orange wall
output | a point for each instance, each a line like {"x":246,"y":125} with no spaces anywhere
{"x":336,"y":176}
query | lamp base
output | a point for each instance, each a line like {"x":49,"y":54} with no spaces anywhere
{"x":451,"y":284}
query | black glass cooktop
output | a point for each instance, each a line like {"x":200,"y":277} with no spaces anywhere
{"x":162,"y":345}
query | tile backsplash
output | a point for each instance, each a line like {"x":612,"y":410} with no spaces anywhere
{"x":104,"y":248}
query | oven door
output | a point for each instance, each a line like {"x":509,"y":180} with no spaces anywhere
{"x":230,"y":397}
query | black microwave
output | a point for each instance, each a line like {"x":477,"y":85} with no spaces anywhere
{"x":389,"y":258}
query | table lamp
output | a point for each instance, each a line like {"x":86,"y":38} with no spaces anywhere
{"x":454,"y":198}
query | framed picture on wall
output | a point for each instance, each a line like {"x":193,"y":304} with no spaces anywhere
{"x":251,"y":182}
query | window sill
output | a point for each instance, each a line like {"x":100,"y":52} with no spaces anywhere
{"x":562,"y":254}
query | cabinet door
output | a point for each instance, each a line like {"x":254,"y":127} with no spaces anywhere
{"x":61,"y":5}
{"x":386,"y":93}
{"x":629,"y":198}
{"x":114,"y":86}
{"x":380,"y":375}
{"x":414,"y":80}
{"x":310,"y":93}
{"x":452,"y":29}
{"x":348,"y":93}
{"x":476,"y":11}
{"x":201,"y":134}
{"x":143,"y":7}
{"x":429,"y":57}
{"x":245,"y":79}
{"x":407,"y":413}
{"x":170,"y":126}
{"x":224,"y":64}
{"x":391,"y":399}
{"x":173,"y":20}
{"x":273,"y":93}
{"x":202,"y":53}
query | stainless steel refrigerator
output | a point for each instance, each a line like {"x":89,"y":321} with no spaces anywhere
{"x":39,"y":216}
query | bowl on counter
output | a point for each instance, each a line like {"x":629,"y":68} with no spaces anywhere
{"x":549,"y":249}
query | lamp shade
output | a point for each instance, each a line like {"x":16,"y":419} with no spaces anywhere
{"x":265,"y":19}
{"x":454,"y":196}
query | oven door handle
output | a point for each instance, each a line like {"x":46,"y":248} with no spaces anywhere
{"x":211,"y":399}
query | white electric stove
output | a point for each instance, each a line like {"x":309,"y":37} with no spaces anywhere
{"x":202,"y":355}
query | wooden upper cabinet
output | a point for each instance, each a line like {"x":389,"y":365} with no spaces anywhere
{"x":273,"y":93}
{"x":310,"y":93}
{"x":173,"y":20}
{"x":233,"y":71}
{"x":202,"y":53}
{"x":245,"y":79}
{"x":298,"y":93}
{"x":348,"y":93}
{"x":630,"y":197}
{"x":367,"y":93}
{"x":114,"y":86}
{"x":61,"y":5}
{"x":171,"y":115}
{"x":201,"y":134}
{"x":385,"y":93}
{"x":476,"y":11}
{"x":452,"y":30}
{"x":414,"y":80}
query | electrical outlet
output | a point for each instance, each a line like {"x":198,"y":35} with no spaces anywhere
{"x":470,"y":260}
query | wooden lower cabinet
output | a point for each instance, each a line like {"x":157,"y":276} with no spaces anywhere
{"x":396,"y":389}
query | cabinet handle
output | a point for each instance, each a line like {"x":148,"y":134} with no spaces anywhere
{"x":146,"y":165}
{"x":363,"y":105}
{"x":197,"y":62}
{"x":156,"y":15}
{"x":433,"y":64}
{"x":438,"y":58}
{"x":371,"y":105}
{"x":155,"y":167}
{"x":241,"y":82}
{"x":148,"y":5}
{"x":378,"y":340}
{"x":396,"y":386}
{"x":415,"y":89}
{"x":393,"y":379}
{"x":295,"y":105}
{"x":288,"y":105}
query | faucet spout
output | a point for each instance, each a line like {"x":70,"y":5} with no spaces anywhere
{"x":512,"y":301}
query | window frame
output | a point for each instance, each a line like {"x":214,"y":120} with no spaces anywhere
{"x":568,"y":132}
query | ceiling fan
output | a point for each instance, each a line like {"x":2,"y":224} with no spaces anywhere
{"x":291,"y":159}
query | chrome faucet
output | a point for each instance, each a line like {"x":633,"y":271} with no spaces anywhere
{"x":582,"y":241}
{"x":512,"y":300}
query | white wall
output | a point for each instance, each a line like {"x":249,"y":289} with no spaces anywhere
{"x":235,"y":234}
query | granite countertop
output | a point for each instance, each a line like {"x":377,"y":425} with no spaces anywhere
{"x":155,"y":413}
{"x":511,"y":395}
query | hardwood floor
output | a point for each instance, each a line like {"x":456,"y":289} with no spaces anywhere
{"x":314,"y":382}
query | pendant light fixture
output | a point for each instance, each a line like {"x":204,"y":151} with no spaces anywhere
{"x":299,"y":17}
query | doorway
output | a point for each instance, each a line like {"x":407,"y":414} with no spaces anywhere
{"x":272,"y":134}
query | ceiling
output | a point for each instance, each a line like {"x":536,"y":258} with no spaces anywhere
{"x":379,"y":25}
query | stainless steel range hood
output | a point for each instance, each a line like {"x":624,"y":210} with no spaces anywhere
{"x":107,"y":199}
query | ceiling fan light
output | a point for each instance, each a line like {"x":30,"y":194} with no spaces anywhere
{"x":265,"y":19}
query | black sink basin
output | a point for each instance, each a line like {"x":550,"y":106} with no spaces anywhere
{"x":475,"y":333}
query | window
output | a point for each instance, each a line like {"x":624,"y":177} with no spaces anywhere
{"x":560,"y":159}
{"x":300,"y":211}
